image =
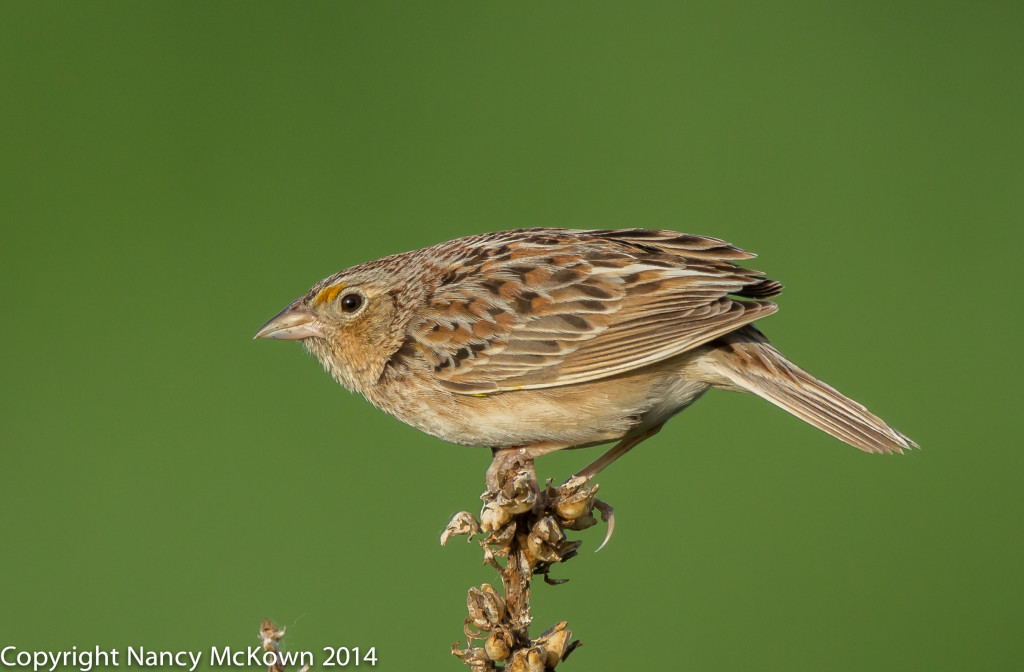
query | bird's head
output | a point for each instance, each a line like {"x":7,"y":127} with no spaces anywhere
{"x":348,"y":321}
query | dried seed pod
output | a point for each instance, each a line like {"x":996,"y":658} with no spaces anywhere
{"x":574,"y":500}
{"x":519,"y":504}
{"x":548,"y":529}
{"x":545,"y":540}
{"x":567,"y":549}
{"x":555,"y":642}
{"x":498,"y":644}
{"x":493,"y":516}
{"x":462,"y":522}
{"x":502,"y":537}
{"x":536,"y":659}
{"x":475,"y":657}
{"x":526,"y":660}
{"x":519,"y":501}
{"x":486,"y":607}
{"x":518,"y":490}
{"x":573,"y":508}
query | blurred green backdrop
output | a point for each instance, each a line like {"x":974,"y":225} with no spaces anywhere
{"x":172,"y":174}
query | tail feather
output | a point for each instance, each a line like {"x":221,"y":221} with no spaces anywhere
{"x":745,"y":360}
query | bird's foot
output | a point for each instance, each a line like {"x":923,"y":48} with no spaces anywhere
{"x":608,"y":516}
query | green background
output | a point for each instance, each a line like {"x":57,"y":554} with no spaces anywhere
{"x":172,"y":174}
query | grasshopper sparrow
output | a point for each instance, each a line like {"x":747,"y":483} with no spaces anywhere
{"x":542,"y":339}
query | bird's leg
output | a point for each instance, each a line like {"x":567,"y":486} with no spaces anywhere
{"x":620,"y":449}
{"x":595,"y":467}
{"x":510,"y":460}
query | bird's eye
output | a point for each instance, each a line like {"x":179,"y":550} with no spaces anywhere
{"x":350,"y":303}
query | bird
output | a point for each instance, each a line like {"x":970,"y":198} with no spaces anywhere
{"x":533,"y":340}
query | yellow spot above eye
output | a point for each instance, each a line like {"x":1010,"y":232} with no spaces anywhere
{"x":328,"y":294}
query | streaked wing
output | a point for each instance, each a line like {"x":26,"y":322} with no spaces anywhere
{"x":556,"y":307}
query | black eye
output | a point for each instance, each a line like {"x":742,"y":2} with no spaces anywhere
{"x":350,"y":302}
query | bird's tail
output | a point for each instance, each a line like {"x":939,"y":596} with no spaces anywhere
{"x":745,"y":360}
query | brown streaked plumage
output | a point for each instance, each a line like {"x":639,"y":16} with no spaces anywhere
{"x":544,"y":339}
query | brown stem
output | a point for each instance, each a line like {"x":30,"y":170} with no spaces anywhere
{"x":524,"y":527}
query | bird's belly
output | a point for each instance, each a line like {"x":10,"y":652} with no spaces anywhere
{"x":566,"y":416}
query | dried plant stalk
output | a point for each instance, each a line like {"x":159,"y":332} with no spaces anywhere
{"x":524,"y":530}
{"x":270,"y":635}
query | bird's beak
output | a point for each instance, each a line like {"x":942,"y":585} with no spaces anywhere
{"x":292,"y":324}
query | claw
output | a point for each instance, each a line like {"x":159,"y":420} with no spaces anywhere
{"x":608,"y":516}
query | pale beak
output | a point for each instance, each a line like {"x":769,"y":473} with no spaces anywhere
{"x":292,"y":324}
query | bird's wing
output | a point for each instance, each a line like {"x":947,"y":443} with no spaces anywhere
{"x":554,"y":307}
